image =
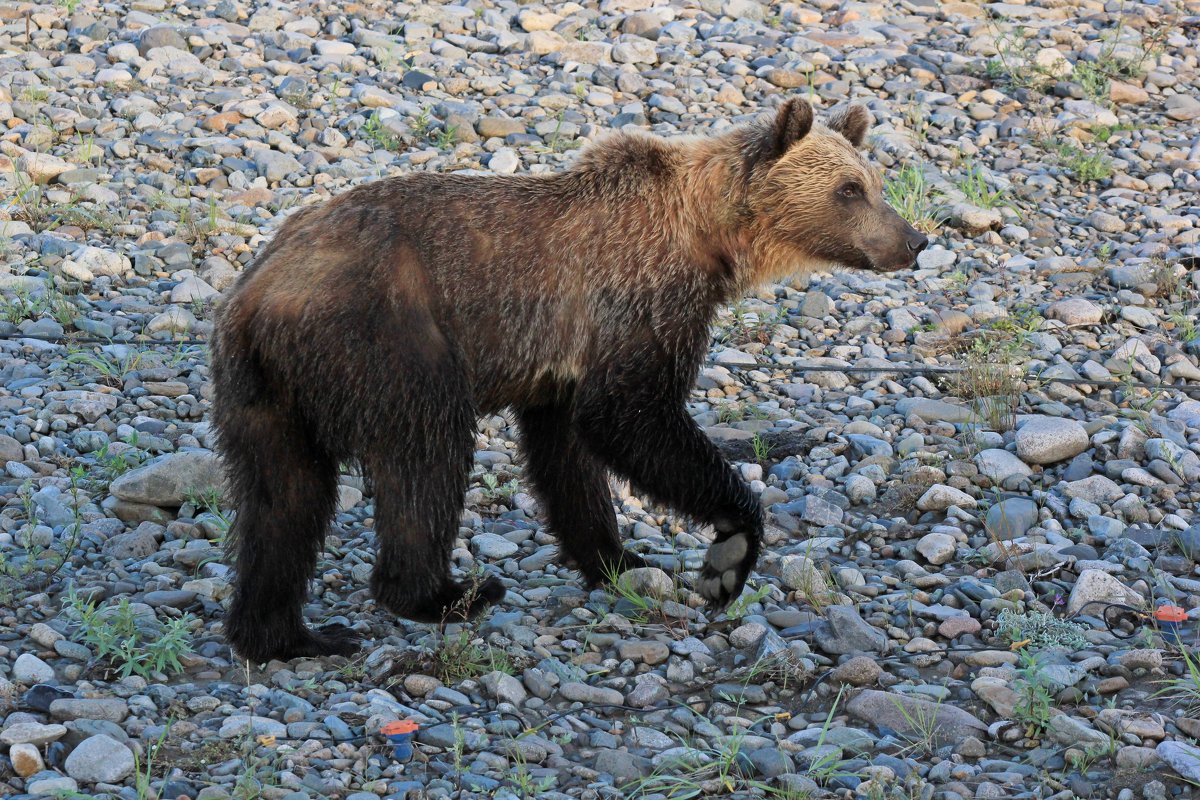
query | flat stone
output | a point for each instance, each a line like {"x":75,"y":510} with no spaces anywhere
{"x":34,"y":733}
{"x":914,"y":716}
{"x":1046,"y":440}
{"x":940,"y":497}
{"x":1000,"y":465}
{"x":170,"y":480}
{"x":29,"y":669}
{"x":843,"y":631}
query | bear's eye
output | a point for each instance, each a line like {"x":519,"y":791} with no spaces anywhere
{"x":851,"y":190}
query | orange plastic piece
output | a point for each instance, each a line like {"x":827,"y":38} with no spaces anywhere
{"x":399,"y":726}
{"x":1170,"y":614}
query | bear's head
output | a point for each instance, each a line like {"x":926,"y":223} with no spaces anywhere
{"x":813,"y":200}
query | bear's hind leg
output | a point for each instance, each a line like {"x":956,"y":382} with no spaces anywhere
{"x":284,"y":489}
{"x":574,"y":487}
{"x":418,"y":467}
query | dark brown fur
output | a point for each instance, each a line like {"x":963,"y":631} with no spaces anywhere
{"x":378,"y":326}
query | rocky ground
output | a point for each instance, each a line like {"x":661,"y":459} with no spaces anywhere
{"x":980,"y":476}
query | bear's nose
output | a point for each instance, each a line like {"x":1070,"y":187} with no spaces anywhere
{"x":916,"y":241}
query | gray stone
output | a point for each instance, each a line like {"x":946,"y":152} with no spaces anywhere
{"x":29,"y":669}
{"x":1011,"y":518}
{"x":34,"y":733}
{"x":1182,"y":757}
{"x":586,"y":693}
{"x":170,"y":480}
{"x":937,"y":548}
{"x":492,"y":546}
{"x":799,"y":573}
{"x":913,"y":716}
{"x":241,"y":725}
{"x":108,"y":708}
{"x":504,"y":687}
{"x":100,"y":759}
{"x":1096,"y":489}
{"x":940,"y":497}
{"x":1046,"y":440}
{"x":843,"y":631}
{"x":274,"y":165}
{"x":935,"y":410}
{"x":1096,"y":586}
{"x":1000,"y":465}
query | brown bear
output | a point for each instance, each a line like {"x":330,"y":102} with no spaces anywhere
{"x":377,"y":326}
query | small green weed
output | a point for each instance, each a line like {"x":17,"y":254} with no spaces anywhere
{"x":375,"y":133}
{"x":915,"y":199}
{"x":1035,"y":704}
{"x":1084,"y":167}
{"x":977,"y":190}
{"x":133,"y":645}
{"x":495,"y":491}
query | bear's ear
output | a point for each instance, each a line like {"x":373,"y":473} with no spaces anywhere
{"x":852,"y":123}
{"x":792,"y":123}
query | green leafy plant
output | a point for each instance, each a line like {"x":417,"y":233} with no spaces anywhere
{"x":1041,"y":630}
{"x":1035,"y":705}
{"x":375,"y":133}
{"x":1084,"y":166}
{"x":741,"y":606}
{"x":977,"y":190}
{"x":1184,"y":691}
{"x":914,"y":198}
{"x":762,"y":448}
{"x":133,"y":645}
{"x":49,"y":301}
{"x":494,"y":490}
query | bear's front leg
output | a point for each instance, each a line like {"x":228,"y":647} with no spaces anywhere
{"x":647,"y":436}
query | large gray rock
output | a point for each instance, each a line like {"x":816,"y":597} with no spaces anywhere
{"x":1096,"y":489}
{"x":169,"y":481}
{"x":29,"y":669}
{"x":1094,"y":587}
{"x":844,"y":631}
{"x":1011,"y":518}
{"x":1183,"y":758}
{"x":100,"y":759}
{"x":504,"y":687}
{"x":1000,"y":465}
{"x":34,"y":733}
{"x":935,"y":410}
{"x":1046,"y":440}
{"x":800,"y":574}
{"x":916,"y":718}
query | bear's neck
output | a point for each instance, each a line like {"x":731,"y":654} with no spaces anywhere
{"x":713,"y":213}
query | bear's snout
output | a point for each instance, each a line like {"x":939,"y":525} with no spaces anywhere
{"x":916,"y":241}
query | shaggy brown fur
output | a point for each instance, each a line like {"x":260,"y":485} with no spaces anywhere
{"x":380,"y":324}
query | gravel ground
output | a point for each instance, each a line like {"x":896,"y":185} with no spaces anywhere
{"x":980,"y":476}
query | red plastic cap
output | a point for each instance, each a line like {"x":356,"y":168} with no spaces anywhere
{"x":399,"y":726}
{"x":1170,"y":614}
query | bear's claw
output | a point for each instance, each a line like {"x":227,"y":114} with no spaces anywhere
{"x":726,"y":567}
{"x":455,"y":602}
